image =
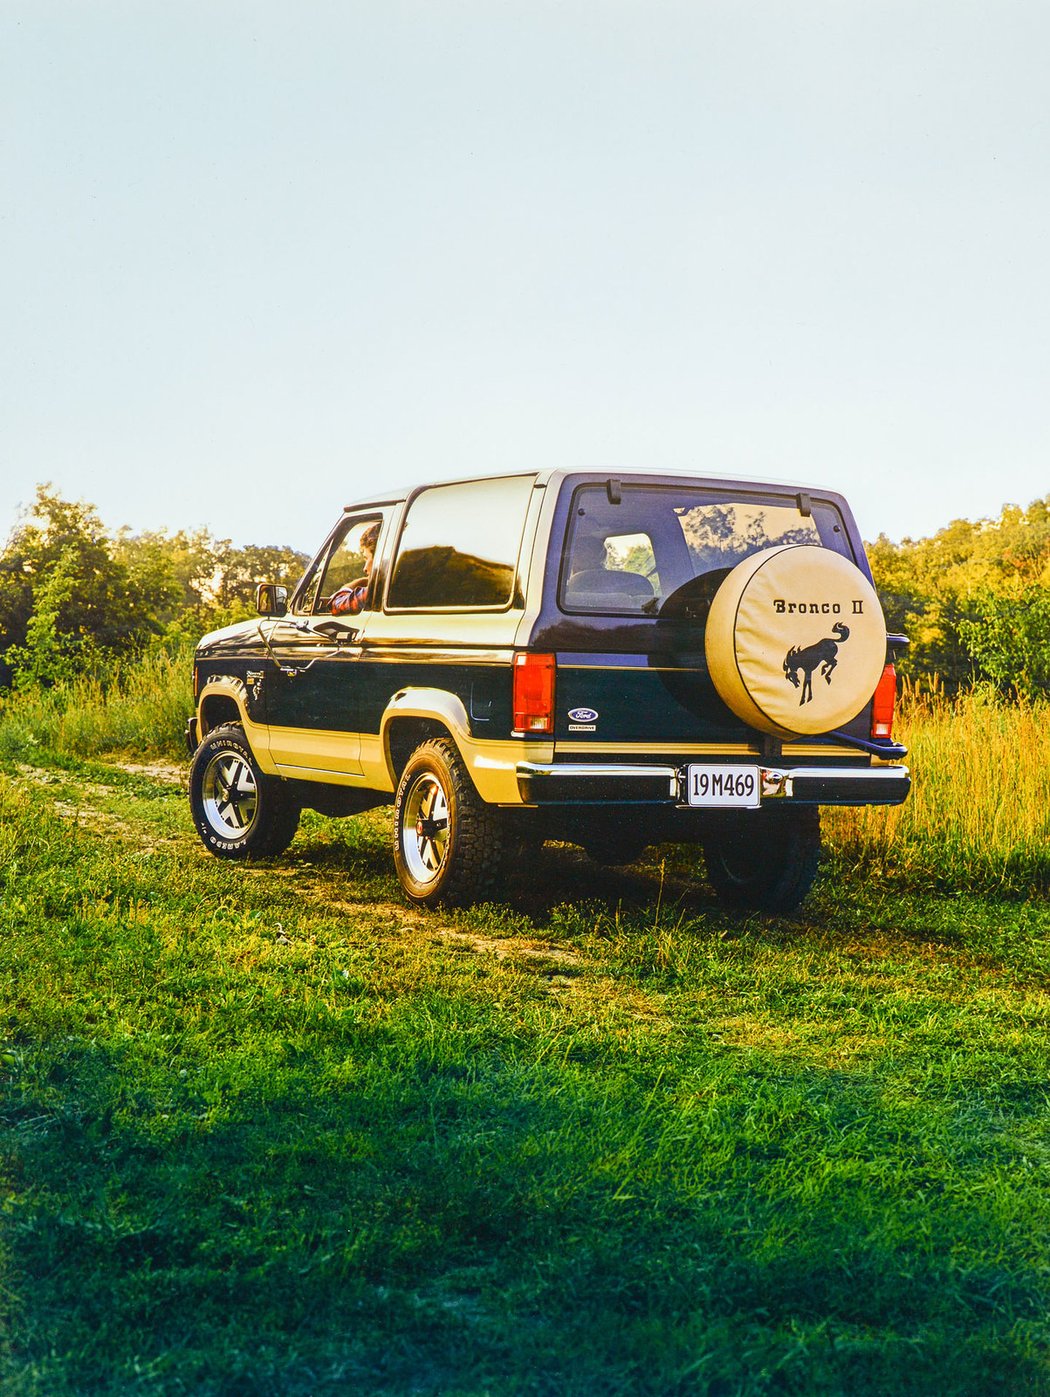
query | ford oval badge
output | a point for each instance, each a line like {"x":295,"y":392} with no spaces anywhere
{"x":582,"y":715}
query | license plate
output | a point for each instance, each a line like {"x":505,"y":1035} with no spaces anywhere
{"x":722,"y":785}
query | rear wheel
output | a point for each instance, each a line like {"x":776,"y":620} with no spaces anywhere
{"x":766,"y":861}
{"x":448,"y":844}
{"x":239,"y":811}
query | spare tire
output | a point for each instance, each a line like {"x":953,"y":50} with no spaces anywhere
{"x":795,"y":640}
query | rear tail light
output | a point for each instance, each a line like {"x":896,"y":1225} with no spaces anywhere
{"x":533,"y":696}
{"x":882,"y":704}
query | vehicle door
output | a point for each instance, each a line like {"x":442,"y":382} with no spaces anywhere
{"x":313,"y":685}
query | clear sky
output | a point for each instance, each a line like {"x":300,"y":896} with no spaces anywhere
{"x":257,"y":258}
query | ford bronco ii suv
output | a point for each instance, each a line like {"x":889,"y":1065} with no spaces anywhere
{"x":606,"y":660}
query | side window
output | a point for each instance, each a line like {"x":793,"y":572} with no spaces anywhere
{"x":612,"y":571}
{"x":459,"y":546}
{"x":348,"y":562}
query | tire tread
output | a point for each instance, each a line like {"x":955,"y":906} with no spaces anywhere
{"x":765,"y":869}
{"x":475,"y":859}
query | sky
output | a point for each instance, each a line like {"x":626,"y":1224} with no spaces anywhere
{"x":259,"y":258}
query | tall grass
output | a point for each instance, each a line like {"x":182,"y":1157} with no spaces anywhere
{"x":137,"y":707}
{"x":978,"y":816}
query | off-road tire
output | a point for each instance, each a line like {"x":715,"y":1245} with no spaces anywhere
{"x":765,"y":861}
{"x":239,"y":812}
{"x":448,"y":844}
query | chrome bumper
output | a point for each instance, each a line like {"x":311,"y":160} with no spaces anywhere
{"x":589,"y":783}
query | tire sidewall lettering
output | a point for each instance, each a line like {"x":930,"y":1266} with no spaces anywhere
{"x":277,"y":814}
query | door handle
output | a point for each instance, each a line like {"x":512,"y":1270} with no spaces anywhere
{"x":338,"y":631}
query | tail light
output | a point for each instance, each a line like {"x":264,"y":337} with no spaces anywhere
{"x":882,"y":704}
{"x":533,"y":694}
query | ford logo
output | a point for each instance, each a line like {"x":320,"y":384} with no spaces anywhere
{"x":582,"y":715}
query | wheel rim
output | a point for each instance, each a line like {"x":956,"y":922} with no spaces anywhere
{"x":230,"y":795}
{"x":425,"y":829}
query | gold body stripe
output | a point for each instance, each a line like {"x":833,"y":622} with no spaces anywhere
{"x":705,"y":749}
{"x":363,"y":759}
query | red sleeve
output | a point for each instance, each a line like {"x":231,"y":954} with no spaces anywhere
{"x":348,"y":601}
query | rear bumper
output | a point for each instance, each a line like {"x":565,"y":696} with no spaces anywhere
{"x":591,"y":783}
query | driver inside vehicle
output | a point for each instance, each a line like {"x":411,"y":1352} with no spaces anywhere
{"x":350,"y":600}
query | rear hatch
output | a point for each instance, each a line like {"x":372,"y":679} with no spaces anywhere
{"x":626,"y":606}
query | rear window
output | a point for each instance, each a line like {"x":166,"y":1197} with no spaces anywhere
{"x":633,"y":556}
{"x":459,"y":546}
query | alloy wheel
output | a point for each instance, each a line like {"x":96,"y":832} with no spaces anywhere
{"x":230,"y":795}
{"x":425,"y":828}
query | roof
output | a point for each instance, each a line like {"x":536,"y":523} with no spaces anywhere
{"x":554,"y":475}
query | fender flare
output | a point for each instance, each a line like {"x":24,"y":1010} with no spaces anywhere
{"x":226,"y":686}
{"x":235,"y":690}
{"x":492,"y":762}
{"x":428,"y":705}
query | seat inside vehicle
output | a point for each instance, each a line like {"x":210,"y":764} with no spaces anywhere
{"x":604,"y":586}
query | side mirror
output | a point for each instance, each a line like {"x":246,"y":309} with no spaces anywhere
{"x":271,"y":600}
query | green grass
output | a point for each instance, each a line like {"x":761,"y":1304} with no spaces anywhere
{"x":268,"y":1130}
{"x":142,"y":707}
{"x":978,"y":816}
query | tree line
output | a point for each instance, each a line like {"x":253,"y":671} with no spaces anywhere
{"x":75,"y":596}
{"x":974,"y":598}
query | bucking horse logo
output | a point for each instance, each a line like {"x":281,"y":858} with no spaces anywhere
{"x":822,"y":655}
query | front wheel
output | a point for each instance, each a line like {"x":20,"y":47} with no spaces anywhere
{"x":765,"y":861}
{"x":448,"y":844}
{"x":239,"y":812}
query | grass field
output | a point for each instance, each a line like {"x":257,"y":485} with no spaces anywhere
{"x":270,"y":1131}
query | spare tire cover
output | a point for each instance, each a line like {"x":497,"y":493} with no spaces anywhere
{"x":795,"y":640}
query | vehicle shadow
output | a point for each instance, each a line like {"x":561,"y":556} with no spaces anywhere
{"x":538,"y":879}
{"x":563,"y":873}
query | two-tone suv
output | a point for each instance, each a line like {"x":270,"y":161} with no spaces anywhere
{"x":607,"y":660}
